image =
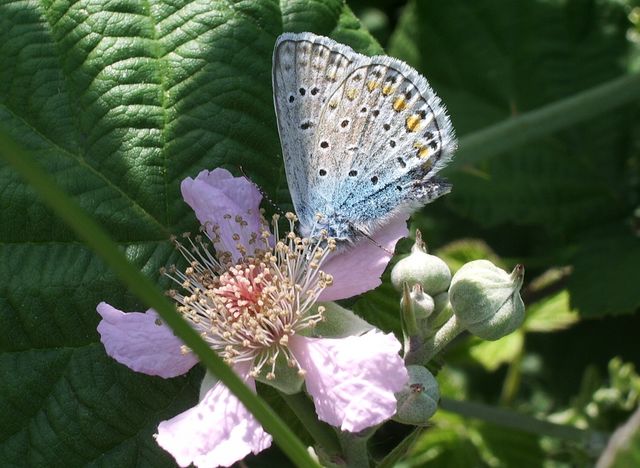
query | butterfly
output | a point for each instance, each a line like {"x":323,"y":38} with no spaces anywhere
{"x":362,"y":137}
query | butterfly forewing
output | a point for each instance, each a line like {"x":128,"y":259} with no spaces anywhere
{"x":390,"y":135}
{"x":306,"y":70}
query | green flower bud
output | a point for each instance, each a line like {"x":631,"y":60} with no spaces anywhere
{"x":418,"y":401}
{"x":486,"y":299}
{"x":440,"y":302}
{"x":423,"y":304}
{"x":440,"y":317}
{"x":421,"y":268}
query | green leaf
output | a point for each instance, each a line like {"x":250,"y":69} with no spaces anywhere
{"x":605,"y":279}
{"x":512,"y":447}
{"x":488,"y":62}
{"x":459,"y":252}
{"x":119,"y":101}
{"x":492,"y":354}
{"x":399,"y":451}
{"x":552,"y":313}
{"x":455,"y":441}
{"x":447,"y":444}
{"x":381,"y":307}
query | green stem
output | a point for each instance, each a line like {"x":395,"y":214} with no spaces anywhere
{"x":511,"y":382}
{"x":322,"y":433}
{"x":522,"y":422}
{"x":560,"y":114}
{"x":96,"y":238}
{"x":442,"y":337}
{"x":354,"y":448}
{"x":400,"y":450}
{"x":408,"y":313}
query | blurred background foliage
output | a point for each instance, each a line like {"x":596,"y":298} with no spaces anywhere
{"x":566,"y":206}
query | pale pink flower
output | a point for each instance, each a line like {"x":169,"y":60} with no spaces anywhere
{"x":250,"y":301}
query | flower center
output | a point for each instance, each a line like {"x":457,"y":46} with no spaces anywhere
{"x":247,"y":310}
{"x":244,"y":288}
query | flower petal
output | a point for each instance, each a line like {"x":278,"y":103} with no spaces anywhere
{"x":218,"y":431}
{"x":217,"y":198}
{"x":358,"y":269}
{"x":142,"y":342}
{"x":352,"y":380}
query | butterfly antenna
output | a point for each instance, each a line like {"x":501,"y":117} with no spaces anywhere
{"x":375,"y":242}
{"x":265,"y":195}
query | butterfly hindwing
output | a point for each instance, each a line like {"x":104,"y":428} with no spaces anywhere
{"x":390,"y":135}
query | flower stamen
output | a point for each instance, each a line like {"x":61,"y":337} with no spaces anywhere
{"x":248,"y":309}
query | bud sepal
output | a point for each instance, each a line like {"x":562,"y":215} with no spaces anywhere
{"x":418,"y":401}
{"x":419,"y":267}
{"x":486,"y":299}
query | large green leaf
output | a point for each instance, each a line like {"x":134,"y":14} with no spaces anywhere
{"x":517,"y":57}
{"x":119,"y":100}
{"x":605,"y":280}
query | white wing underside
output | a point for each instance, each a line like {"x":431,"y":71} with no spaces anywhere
{"x":362,"y":137}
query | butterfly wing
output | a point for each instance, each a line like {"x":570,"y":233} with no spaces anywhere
{"x":307,"y":69}
{"x":388,"y":135}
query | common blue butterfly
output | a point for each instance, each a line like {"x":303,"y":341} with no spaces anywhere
{"x":362,"y":137}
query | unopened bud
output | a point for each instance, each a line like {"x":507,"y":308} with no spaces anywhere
{"x":423,"y":304}
{"x":419,"y":267}
{"x":486,"y":299}
{"x":440,"y":301}
{"x":418,"y":400}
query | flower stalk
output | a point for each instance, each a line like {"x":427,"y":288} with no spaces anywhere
{"x":441,"y":338}
{"x":354,"y":448}
{"x":322,"y":433}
